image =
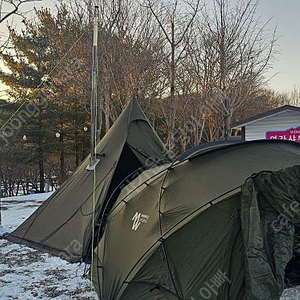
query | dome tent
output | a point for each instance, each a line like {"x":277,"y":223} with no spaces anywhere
{"x":208,"y":226}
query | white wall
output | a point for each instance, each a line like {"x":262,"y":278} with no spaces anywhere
{"x":280,"y":122}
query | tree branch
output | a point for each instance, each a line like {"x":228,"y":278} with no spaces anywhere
{"x":16,"y":5}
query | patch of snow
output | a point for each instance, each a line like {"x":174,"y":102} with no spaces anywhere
{"x":291,"y":294}
{"x":28,"y":274}
{"x":15,"y":210}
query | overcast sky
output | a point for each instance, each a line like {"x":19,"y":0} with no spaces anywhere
{"x":285,"y":15}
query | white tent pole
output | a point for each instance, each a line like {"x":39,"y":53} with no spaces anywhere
{"x":94,"y":94}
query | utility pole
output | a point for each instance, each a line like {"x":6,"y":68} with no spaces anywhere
{"x":94,"y":96}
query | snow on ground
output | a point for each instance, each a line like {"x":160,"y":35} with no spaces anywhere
{"x":27,"y":274}
{"x":291,"y":294}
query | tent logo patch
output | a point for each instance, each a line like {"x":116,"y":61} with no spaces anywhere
{"x":138,"y":219}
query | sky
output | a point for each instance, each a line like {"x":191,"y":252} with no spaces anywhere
{"x":285,"y":14}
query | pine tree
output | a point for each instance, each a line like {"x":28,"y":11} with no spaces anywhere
{"x":43,"y":82}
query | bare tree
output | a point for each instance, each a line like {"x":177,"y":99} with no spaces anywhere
{"x":199,"y":69}
{"x":175,"y":21}
{"x":238,"y":49}
{"x":129,"y":55}
{"x":11,"y":7}
{"x":291,"y":97}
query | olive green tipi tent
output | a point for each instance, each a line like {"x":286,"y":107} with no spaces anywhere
{"x":211,"y":225}
{"x":63,"y":224}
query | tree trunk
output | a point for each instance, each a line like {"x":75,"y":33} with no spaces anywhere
{"x":41,"y":152}
{"x":100,"y":117}
{"x":172,"y":93}
{"x":41,"y":166}
{"x":107,"y":109}
{"x":77,"y":160}
{"x":227,"y":123}
{"x":62,"y":158}
{"x":76,"y":133}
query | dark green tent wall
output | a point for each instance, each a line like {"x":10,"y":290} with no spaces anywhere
{"x":176,"y":233}
{"x":270,"y":212}
{"x":63,"y":224}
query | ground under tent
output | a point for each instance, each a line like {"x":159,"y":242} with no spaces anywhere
{"x":212,"y":225}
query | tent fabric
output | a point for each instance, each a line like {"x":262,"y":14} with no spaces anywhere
{"x":207,"y":147}
{"x":63,"y":223}
{"x":270,"y":210}
{"x":218,"y":223}
{"x":177,"y":233}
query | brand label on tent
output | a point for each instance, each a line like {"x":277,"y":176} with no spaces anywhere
{"x":292,"y":134}
{"x":138,"y":219}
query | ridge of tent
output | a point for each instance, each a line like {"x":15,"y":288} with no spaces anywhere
{"x":205,"y":148}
